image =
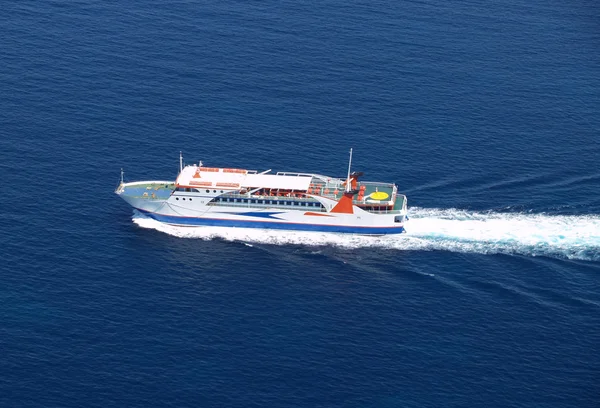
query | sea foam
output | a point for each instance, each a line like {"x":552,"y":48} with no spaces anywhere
{"x":572,"y":237}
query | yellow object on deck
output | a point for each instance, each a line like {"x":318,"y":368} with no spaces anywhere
{"x":379,"y":195}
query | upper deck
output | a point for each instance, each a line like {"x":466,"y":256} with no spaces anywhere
{"x":370,"y":196}
{"x":236,"y":179}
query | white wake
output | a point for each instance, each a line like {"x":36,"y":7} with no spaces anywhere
{"x":573,"y":237}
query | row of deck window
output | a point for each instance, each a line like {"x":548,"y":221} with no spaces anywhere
{"x":266,"y":202}
{"x":191,"y":190}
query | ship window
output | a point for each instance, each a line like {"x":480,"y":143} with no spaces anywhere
{"x":177,"y":198}
{"x":183,"y":198}
{"x":208,"y":191}
{"x":190,"y":199}
{"x":188,"y":190}
{"x":214,"y":191}
{"x":221,"y":191}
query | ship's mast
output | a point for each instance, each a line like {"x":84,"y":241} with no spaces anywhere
{"x":122,"y":172}
{"x":180,"y":162}
{"x":348,"y":178}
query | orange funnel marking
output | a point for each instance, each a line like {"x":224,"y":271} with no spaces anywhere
{"x":344,"y":206}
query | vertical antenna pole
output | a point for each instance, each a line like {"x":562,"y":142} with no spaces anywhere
{"x":180,"y":162}
{"x":348,"y":178}
{"x":122,"y":175}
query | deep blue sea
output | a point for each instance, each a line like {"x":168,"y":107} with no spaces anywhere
{"x":486,"y":114}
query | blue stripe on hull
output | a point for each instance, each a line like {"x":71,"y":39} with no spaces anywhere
{"x":215,"y":222}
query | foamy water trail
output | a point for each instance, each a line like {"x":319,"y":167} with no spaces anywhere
{"x":573,"y":237}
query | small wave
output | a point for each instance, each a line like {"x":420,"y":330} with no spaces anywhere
{"x":571,"y":237}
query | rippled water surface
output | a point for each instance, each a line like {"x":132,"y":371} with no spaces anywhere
{"x":486,"y":115}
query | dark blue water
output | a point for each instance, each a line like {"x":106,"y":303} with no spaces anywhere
{"x":486,"y":114}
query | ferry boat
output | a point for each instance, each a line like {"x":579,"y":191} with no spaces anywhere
{"x":240,"y":198}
